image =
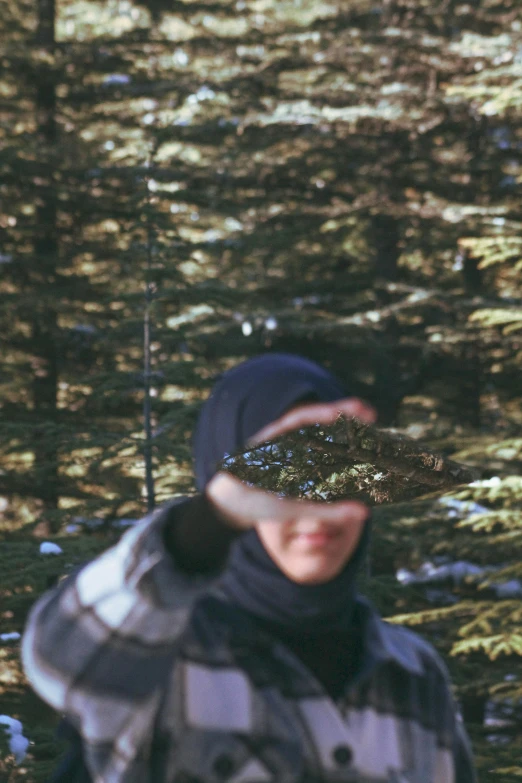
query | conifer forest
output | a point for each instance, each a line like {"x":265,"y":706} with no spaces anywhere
{"x":188,"y":183}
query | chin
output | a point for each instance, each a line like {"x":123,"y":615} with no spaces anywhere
{"x":312,"y":576}
{"x":311,"y":580}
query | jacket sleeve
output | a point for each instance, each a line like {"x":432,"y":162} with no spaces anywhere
{"x":442,"y":699}
{"x":462,"y":755}
{"x":99,"y":648}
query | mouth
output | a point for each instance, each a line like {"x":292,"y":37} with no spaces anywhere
{"x":316,"y":538}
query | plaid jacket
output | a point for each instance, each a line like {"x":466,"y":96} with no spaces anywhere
{"x":151,"y":668}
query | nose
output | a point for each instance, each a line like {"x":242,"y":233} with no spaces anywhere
{"x":312,"y":525}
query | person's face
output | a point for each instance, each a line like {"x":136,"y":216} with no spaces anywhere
{"x":310,"y":551}
{"x":310,"y":542}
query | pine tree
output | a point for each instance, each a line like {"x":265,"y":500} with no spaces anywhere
{"x":339,"y":180}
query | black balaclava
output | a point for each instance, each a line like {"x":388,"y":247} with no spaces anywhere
{"x":245,"y":399}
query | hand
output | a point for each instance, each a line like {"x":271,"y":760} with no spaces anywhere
{"x":242,"y":507}
{"x":315,"y":413}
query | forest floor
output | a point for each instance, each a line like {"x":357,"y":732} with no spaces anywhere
{"x":24,"y":576}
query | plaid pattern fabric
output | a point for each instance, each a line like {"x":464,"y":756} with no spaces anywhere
{"x":168,"y":682}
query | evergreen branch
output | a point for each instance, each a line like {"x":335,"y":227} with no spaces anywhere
{"x":400,"y":455}
{"x":347,"y":459}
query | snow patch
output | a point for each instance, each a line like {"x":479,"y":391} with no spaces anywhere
{"x":464,"y":507}
{"x":429,"y":573}
{"x":18,"y":744}
{"x":117,"y":78}
{"x":48,"y":548}
{"x":495,"y":481}
{"x":456,"y":573}
{"x":9,"y":637}
{"x":511,"y":589}
{"x":180,"y":57}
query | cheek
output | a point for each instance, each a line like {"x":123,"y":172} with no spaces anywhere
{"x":275,"y":537}
{"x":350,"y":538}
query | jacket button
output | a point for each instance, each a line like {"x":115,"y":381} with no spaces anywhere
{"x":223,"y":766}
{"x":342,"y":755}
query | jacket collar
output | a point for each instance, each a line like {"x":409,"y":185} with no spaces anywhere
{"x":384,"y":642}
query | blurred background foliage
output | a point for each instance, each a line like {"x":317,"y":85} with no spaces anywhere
{"x":339,"y":179}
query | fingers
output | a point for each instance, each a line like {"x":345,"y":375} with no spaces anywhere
{"x":352,"y":406}
{"x":242,"y":506}
{"x":315,"y":413}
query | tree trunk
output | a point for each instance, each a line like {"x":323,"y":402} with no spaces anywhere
{"x":385,"y":238}
{"x":147,"y":375}
{"x":472,"y":274}
{"x":44,"y":319}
